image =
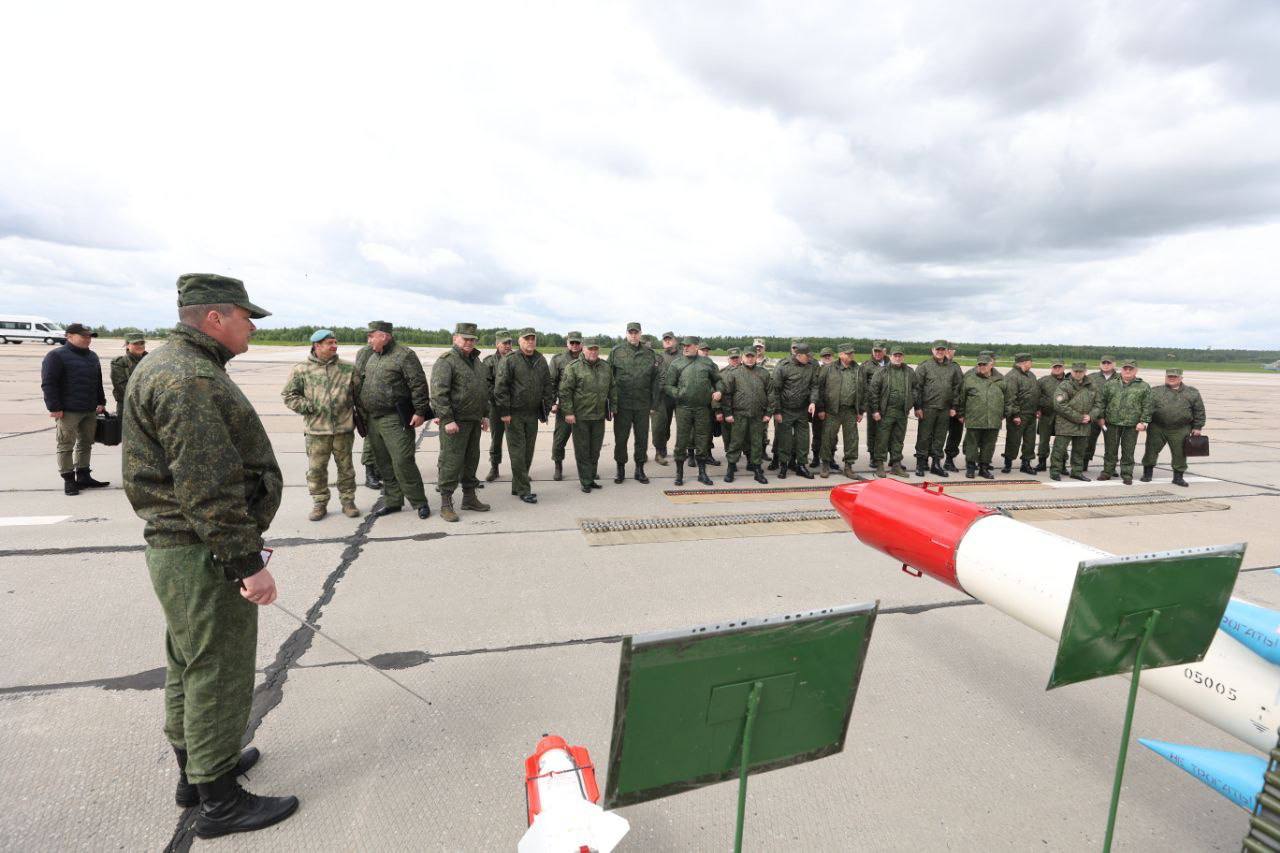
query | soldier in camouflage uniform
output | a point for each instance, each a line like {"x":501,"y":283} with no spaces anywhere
{"x":774,"y":455}
{"x":563,"y":430}
{"x":693,"y":383}
{"x":1123,"y":405}
{"x":1105,"y":373}
{"x":588,"y":395}
{"x":1173,"y":412}
{"x":319,"y":389}
{"x":1048,"y":386}
{"x":199,"y":469}
{"x":982,"y":403}
{"x":792,"y":404}
{"x":936,"y":390}
{"x":1020,"y":426}
{"x":522,"y":390}
{"x":890,"y":400}
{"x":497,"y":429}
{"x":122,"y":366}
{"x":391,"y":390}
{"x":1076,"y":405}
{"x":717,"y":409}
{"x":460,"y":391}
{"x":816,"y":432}
{"x":839,"y":394}
{"x":367,"y":458}
{"x":664,"y":407}
{"x":867,"y":370}
{"x":639,"y":384}
{"x":955,"y":427}
{"x":745,"y":408}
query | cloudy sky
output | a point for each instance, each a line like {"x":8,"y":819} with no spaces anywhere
{"x":1091,"y":172}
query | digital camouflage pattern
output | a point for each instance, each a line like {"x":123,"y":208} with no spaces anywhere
{"x":560,"y":436}
{"x":893,"y":391}
{"x":321,"y":391}
{"x":637,"y":374}
{"x":936,"y":385}
{"x":320,"y":447}
{"x":198,"y":466}
{"x":1024,"y":392}
{"x":981,"y":402}
{"x":389,"y":376}
{"x":1124,"y":404}
{"x":1071,"y":402}
{"x":122,"y":367}
{"x":459,"y":387}
{"x":587,"y":390}
{"x":1167,"y":408}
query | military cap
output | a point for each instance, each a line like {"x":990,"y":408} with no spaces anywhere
{"x":1022,"y":356}
{"x":704,"y":345}
{"x":941,"y":344}
{"x":647,"y":339}
{"x":573,"y":338}
{"x":987,"y":352}
{"x":200,"y":288}
{"x":633,"y":327}
{"x":758,"y":342}
{"x":379,"y":326}
{"x":1079,"y":365}
{"x":1057,"y":362}
{"x":849,"y":348}
{"x":802,"y":348}
{"x":985,"y":359}
{"x":734,"y":352}
{"x":135,"y":338}
{"x":827,"y":351}
{"x":503,"y":337}
{"x":592,"y":343}
{"x":467,"y":330}
{"x":1173,"y":371}
{"x":528,"y":332}
{"x":671,"y":335}
{"x":320,"y":334}
{"x":1130,"y":363}
{"x":80,"y":329}
{"x":878,"y":345}
{"x":691,"y":340}
{"x":896,"y":350}
{"x":1105,"y":358}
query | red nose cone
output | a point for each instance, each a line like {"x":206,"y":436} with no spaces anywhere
{"x":921,"y":527}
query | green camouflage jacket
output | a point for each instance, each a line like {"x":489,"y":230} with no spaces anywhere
{"x":1048,"y":386}
{"x":490,"y":363}
{"x":981,"y":401}
{"x":391,"y":375}
{"x":1071,"y":402}
{"x":1023,"y":392}
{"x":839,"y":388}
{"x":460,"y":387}
{"x":198,"y":466}
{"x":559,"y":362}
{"x":320,"y":391}
{"x":692,"y":380}
{"x":1123,"y":405}
{"x":523,"y":385}
{"x":793,"y":385}
{"x":122,"y":367}
{"x":1172,"y":409}
{"x":662,"y":359}
{"x":587,"y":391}
{"x":937,"y":386}
{"x":746,"y":392}
{"x":637,"y":375}
{"x":892,"y":392}
{"x":1097,"y":380}
{"x":867,"y":370}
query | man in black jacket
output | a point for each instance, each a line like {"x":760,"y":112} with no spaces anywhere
{"x":71,"y":378}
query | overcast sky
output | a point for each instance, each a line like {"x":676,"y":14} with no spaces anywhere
{"x":1087,"y":172}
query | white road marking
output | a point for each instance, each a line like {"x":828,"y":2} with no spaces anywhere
{"x":26,"y":520}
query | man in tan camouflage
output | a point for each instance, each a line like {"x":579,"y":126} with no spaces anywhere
{"x":319,"y":389}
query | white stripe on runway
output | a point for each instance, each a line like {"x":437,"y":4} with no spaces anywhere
{"x":25,"y":520}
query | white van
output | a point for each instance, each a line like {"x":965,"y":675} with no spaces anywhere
{"x":16,"y":328}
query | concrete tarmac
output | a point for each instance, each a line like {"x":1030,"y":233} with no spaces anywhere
{"x":509,"y":623}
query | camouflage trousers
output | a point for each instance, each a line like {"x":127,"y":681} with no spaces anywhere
{"x":844,"y":425}
{"x":74,"y":436}
{"x":560,"y":437}
{"x":1044,"y":429}
{"x":1076,"y":444}
{"x":693,"y":430}
{"x":1157,"y":437}
{"x":393,"y":447}
{"x":319,"y":449}
{"x":1119,"y":443}
{"x":660,"y":423}
{"x":210,"y":642}
{"x":931,"y":434}
{"x":522,"y":437}
{"x":890,"y":438}
{"x":793,"y":437}
{"x":980,"y":446}
{"x":588,"y":438}
{"x":1091,"y":446}
{"x":624,"y":421}
{"x":873,"y":428}
{"x":497,"y":430}
{"x":1019,"y":438}
{"x":746,"y":438}
{"x":459,"y":457}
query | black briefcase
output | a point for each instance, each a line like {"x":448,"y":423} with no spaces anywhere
{"x":1195,"y":445}
{"x":107,"y":430}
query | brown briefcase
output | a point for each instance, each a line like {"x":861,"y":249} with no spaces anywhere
{"x":1195,"y":445}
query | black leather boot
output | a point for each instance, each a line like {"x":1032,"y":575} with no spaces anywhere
{"x":711,"y":460}
{"x":970,"y":470}
{"x":702,"y":474}
{"x":1025,"y":468}
{"x":984,"y":471}
{"x":1178,"y":479}
{"x":69,"y":486}
{"x":640,"y":475}
{"x":1042,"y":465}
{"x":760,"y":477}
{"x":621,"y":476}
{"x":950,"y":464}
{"x":936,"y":469}
{"x":680,"y":471}
{"x":783,"y":467}
{"x":559,"y":474}
{"x":920,"y":467}
{"x":187,"y":795}
{"x":773,"y":463}
{"x":84,"y":481}
{"x":1147,"y":471}
{"x":729,"y":472}
{"x":802,"y":471}
{"x":225,"y":808}
{"x":1008,"y":465}
{"x":371,"y":478}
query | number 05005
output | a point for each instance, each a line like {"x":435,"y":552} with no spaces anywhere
{"x":1210,"y":684}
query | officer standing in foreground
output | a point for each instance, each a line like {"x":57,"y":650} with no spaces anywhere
{"x":135,"y":349}
{"x":71,"y":379}
{"x":745,"y":407}
{"x":936,"y":390}
{"x":460,"y":392}
{"x":1105,"y":373}
{"x":982,"y":404}
{"x":199,"y":469}
{"x":523,"y":394}
{"x":564,"y":429}
{"x":955,"y":427}
{"x":587,"y":396}
{"x":693,"y":383}
{"x":1020,"y":426}
{"x":367,"y":458}
{"x":839,"y":395}
{"x":1123,"y":405}
{"x":1048,"y":386}
{"x":867,"y":370}
{"x":892,"y":395}
{"x":1173,"y":412}
{"x":391,"y":391}
{"x":1076,"y":406}
{"x":319,"y":389}
{"x":792,"y":403}
{"x":497,"y":429}
{"x":639,"y":385}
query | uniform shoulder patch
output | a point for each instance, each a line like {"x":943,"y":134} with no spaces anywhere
{"x":1061,"y":398}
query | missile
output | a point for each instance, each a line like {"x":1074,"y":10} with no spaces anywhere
{"x":1237,"y":777}
{"x":562,"y":796}
{"x":1256,"y":627}
{"x":1028,"y":573}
